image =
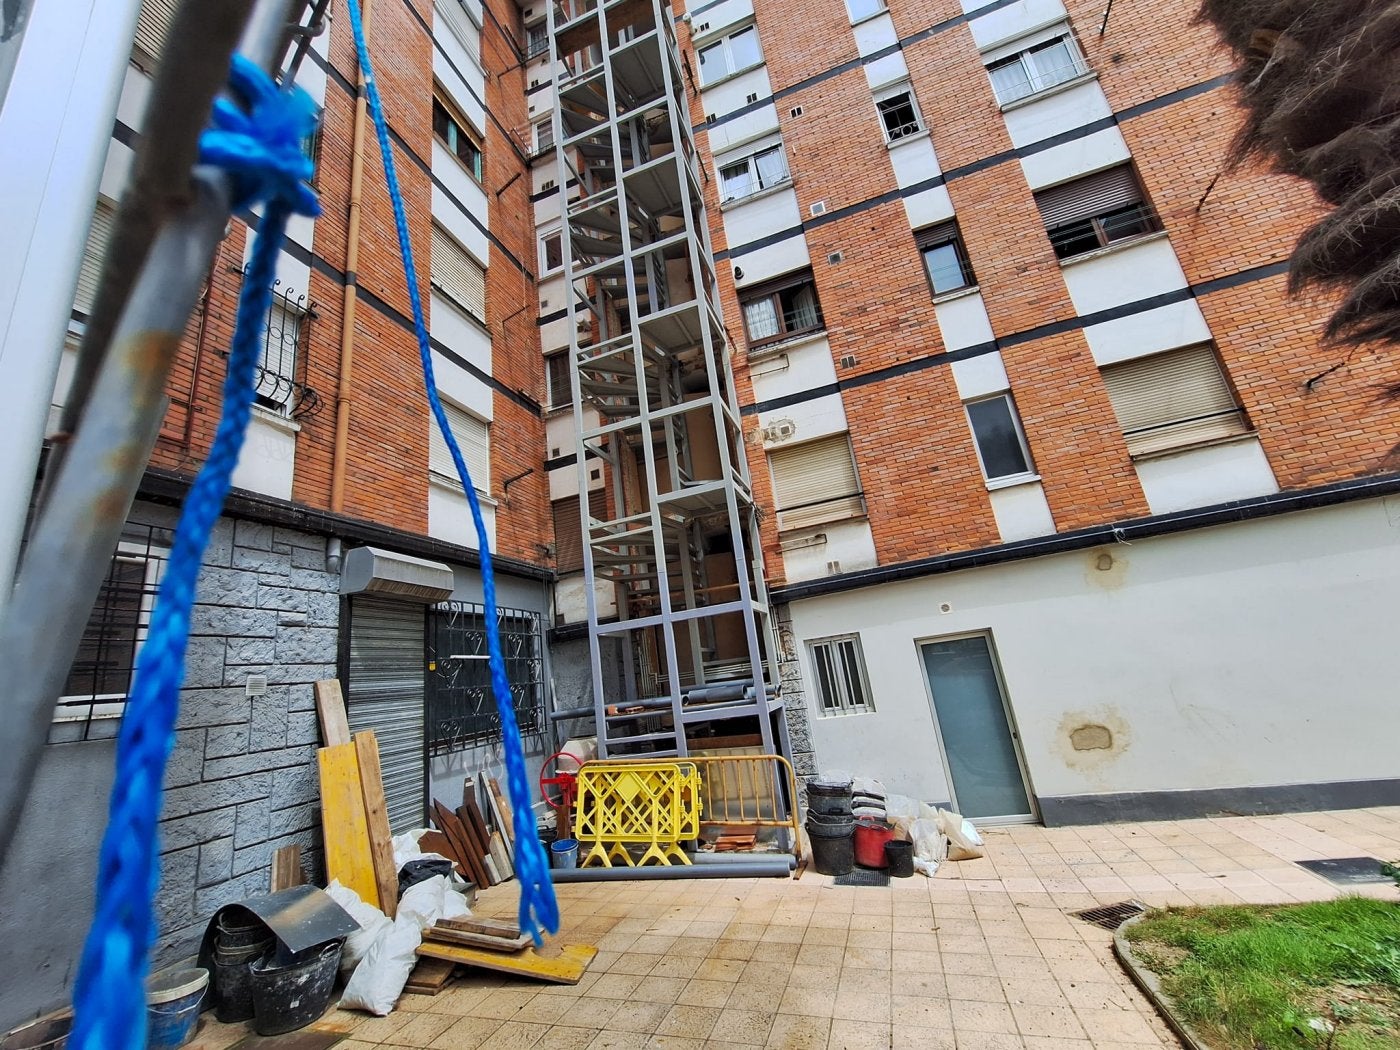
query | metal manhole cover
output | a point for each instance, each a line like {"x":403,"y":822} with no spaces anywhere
{"x":862,"y":877}
{"x":1111,"y":916}
{"x":1346,"y":871}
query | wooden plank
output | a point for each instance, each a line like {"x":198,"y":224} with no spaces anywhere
{"x":488,"y":927}
{"x":381,"y":847}
{"x":430,"y":976}
{"x":483,"y":834}
{"x":502,"y":807}
{"x":492,"y":870}
{"x":445,"y":819}
{"x":478,"y":846}
{"x":499,"y":818}
{"x":437,"y":842}
{"x":286,"y":868}
{"x":444,"y":935}
{"x":497,"y":847}
{"x":343,"y":823}
{"x":330,"y":709}
{"x":568,"y":967}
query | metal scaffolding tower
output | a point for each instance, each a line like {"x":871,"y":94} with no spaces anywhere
{"x":673,"y":528}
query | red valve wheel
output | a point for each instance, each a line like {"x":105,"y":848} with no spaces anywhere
{"x":566,"y":782}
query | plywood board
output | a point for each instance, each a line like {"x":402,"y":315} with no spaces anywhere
{"x":502,"y":807}
{"x":286,"y":868}
{"x":430,"y":976}
{"x":381,"y":848}
{"x":437,"y":842}
{"x":568,"y":967}
{"x":500,"y":856}
{"x":343,"y":823}
{"x":330,"y":709}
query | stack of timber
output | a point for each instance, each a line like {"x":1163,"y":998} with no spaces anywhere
{"x":502,"y":948}
{"x":482,"y":856}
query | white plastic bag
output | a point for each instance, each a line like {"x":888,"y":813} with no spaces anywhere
{"x":963,"y":841}
{"x":378,"y":981}
{"x":930,"y":847}
{"x":373,"y":923}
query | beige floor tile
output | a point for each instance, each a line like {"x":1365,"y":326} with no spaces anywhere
{"x":637,"y":1017}
{"x":810,"y":1002}
{"x":515,"y":1035}
{"x":1057,"y":1021}
{"x":587,"y":1012}
{"x":742,"y":1027}
{"x":422,"y":1029}
{"x":705,"y":993}
{"x":1120,"y":1026}
{"x":971,"y":1016}
{"x":858,"y":1035}
{"x":989,"y":1041}
{"x":610,"y":1040}
{"x":614,"y":986}
{"x":920,"y":1011}
{"x":631,"y":962}
{"x":912,"y":1037}
{"x":719,"y":970}
{"x":866,"y":958}
{"x":798,"y":1032}
{"x":561,"y":1038}
{"x":919,"y":961}
{"x":760,"y":999}
{"x":975,"y":987}
{"x":980,"y":964}
{"x":691,"y":1022}
{"x":659,"y":989}
{"x":466,"y":1033}
{"x":862,"y":1006}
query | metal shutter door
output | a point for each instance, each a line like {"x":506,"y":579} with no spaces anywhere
{"x":90,"y":270}
{"x":1085,"y":198}
{"x":1172,"y":399}
{"x":386,"y":694}
{"x":568,"y":535}
{"x":458,"y":276}
{"x":473,"y":438}
{"x":153,"y":24}
{"x":817,"y":481}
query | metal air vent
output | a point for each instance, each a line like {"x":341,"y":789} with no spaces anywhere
{"x":369,"y":570}
{"x":819,"y":208}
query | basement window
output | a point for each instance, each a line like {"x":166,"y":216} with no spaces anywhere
{"x":841,"y":683}
{"x":1000,"y":441}
{"x":815,"y":483}
{"x":781,"y":309}
{"x":452,"y":130}
{"x":945,"y":258}
{"x":1174,"y":400}
{"x":729,"y":55}
{"x":899,"y":114}
{"x":1096,"y":211}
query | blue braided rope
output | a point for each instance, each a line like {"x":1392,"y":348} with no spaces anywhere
{"x":539,"y":910}
{"x":262,"y":151}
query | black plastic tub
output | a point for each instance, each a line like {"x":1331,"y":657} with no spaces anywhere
{"x":833,"y":847}
{"x":829,"y":799}
{"x":289,"y":997}
{"x":899,"y":858}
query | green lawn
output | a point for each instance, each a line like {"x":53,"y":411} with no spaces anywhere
{"x":1252,"y":978}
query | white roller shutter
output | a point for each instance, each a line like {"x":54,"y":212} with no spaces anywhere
{"x":473,"y":438}
{"x":90,"y":270}
{"x":1173,"y":399}
{"x":385,"y":694}
{"x":152,"y":26}
{"x":815,"y":482}
{"x":458,"y":276}
{"x":1086,"y":198}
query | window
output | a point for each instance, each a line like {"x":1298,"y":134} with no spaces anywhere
{"x":556,"y":368}
{"x":451,"y":130}
{"x":839,"y":666}
{"x":1093,"y":212}
{"x":568,"y":536}
{"x":457,"y":275}
{"x":1035,"y":69}
{"x":781,"y":309}
{"x":730,"y":54}
{"x":1173,"y":400}
{"x":100,"y":676}
{"x":536,"y":40}
{"x":544,"y":135}
{"x":551,"y":252}
{"x":1001,"y":445}
{"x":90,"y":270}
{"x":898,"y":113}
{"x":945,"y":258}
{"x":748,"y":175}
{"x":460,"y":704}
{"x":152,"y":26}
{"x":816,"y":482}
{"x":282,"y":335}
{"x":860,"y":10}
{"x":473,"y":438}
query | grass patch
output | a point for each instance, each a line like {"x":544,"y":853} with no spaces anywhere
{"x":1252,"y":978}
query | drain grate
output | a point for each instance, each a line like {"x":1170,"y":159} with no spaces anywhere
{"x":863,"y":877}
{"x":1346,"y":871}
{"x":1111,"y":916}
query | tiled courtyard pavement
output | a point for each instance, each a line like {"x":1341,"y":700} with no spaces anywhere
{"x":983,"y":957}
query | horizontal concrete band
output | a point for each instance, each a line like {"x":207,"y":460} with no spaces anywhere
{"x":1075,"y":810}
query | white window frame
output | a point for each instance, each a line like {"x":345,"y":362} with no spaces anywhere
{"x":904,"y":87}
{"x":749,"y":157}
{"x":869,"y":9}
{"x":544,"y":135}
{"x":724,"y":44}
{"x":1029,"y":474}
{"x":1021,"y":50}
{"x":545,"y":237}
{"x":481,"y":479}
{"x":842,"y":649}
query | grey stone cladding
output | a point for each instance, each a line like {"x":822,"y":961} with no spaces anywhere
{"x":804,"y":758}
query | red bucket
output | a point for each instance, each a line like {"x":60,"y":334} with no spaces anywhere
{"x":870,"y":839}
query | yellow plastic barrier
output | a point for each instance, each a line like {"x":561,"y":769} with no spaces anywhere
{"x":653,"y":803}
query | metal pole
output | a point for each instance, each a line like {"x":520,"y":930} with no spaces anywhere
{"x":79,"y":526}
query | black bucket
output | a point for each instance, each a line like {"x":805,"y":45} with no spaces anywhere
{"x":833,"y":848}
{"x":899,"y":858}
{"x":829,"y":799}
{"x":232,"y":936}
{"x":233,"y":989}
{"x":286,"y":998}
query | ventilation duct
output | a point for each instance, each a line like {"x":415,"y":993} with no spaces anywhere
{"x":369,"y":570}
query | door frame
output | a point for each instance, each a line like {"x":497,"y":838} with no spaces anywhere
{"x":1033,"y":817}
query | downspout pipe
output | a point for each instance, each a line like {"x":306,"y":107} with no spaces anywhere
{"x":352,"y":262}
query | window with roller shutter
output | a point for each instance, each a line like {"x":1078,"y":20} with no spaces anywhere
{"x":473,"y":439}
{"x":1173,"y":400}
{"x":568,"y":536}
{"x":90,"y":269}
{"x":152,"y":27}
{"x":1095,"y":211}
{"x":816,"y":482}
{"x":458,"y":276}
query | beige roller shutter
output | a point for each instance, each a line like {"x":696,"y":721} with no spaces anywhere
{"x":816,"y":482}
{"x":1173,"y":399}
{"x":568,"y":535}
{"x":473,"y":438}
{"x":90,"y":270}
{"x":1098,"y":194}
{"x":458,"y":276}
{"x":152,"y":25}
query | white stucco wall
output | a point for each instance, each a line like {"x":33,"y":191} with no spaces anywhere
{"x":1251,"y":654}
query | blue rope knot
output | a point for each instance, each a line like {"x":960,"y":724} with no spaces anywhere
{"x":261,"y":147}
{"x":261,"y":150}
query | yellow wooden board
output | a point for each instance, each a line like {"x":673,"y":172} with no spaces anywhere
{"x":381,"y":849}
{"x":343,"y":823}
{"x":568,"y":967}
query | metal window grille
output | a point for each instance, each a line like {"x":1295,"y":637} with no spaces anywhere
{"x":537,"y":42}
{"x":842,"y":686}
{"x":1035,"y":70}
{"x":900,"y":117}
{"x":94,"y":695}
{"x":461,"y":711}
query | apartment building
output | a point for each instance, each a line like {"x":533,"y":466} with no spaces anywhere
{"x":1067,"y":511}
{"x":346,"y":549}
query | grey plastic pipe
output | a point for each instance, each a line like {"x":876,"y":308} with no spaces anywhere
{"x":749,"y":869}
